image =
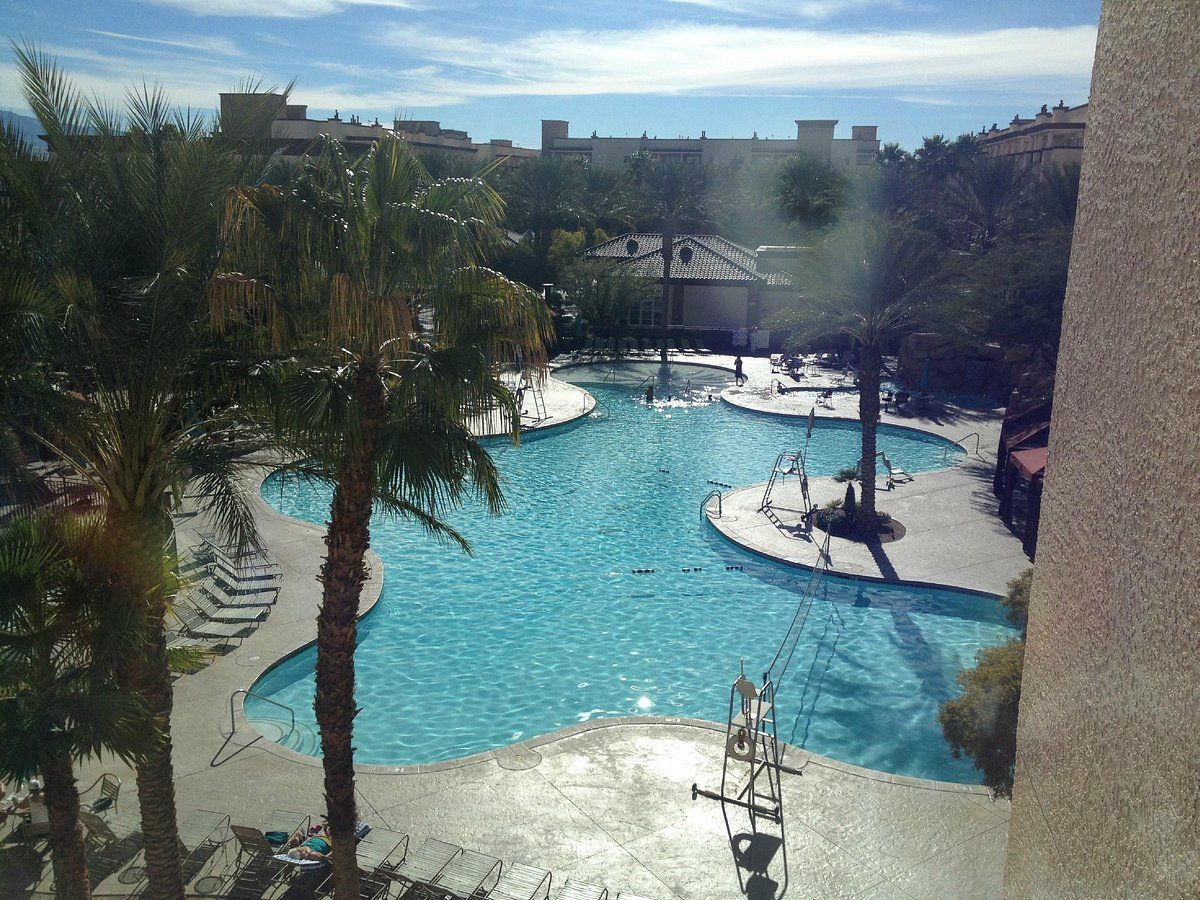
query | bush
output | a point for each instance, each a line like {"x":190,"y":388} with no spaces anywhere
{"x":850,"y":505}
{"x":833,"y":504}
{"x":982,"y":721}
{"x":850,"y":473}
{"x":1017,"y":600}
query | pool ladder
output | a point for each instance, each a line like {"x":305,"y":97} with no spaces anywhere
{"x":707,"y":499}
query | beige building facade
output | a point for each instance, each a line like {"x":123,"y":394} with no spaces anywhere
{"x":292,"y":131}
{"x":814,"y":137}
{"x":1053,"y":137}
{"x":1107,"y":794}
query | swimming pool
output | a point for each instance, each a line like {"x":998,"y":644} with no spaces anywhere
{"x":547,"y":624}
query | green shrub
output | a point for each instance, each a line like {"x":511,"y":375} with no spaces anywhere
{"x":1017,"y":599}
{"x":850,"y":473}
{"x":850,"y":505}
{"x":982,"y":721}
{"x":833,"y":504}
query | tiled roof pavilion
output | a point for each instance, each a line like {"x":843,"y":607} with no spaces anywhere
{"x":697,"y":257}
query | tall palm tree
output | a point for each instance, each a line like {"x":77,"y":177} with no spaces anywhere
{"x":810,"y":192}
{"x":544,"y":194}
{"x":870,"y":281}
{"x":367,"y":275}
{"x":988,"y":200}
{"x":675,"y":195}
{"x":62,"y":644}
{"x":140,"y":406}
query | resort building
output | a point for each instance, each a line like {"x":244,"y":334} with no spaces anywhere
{"x":813,"y":137}
{"x":717,"y":286}
{"x":1053,"y":137}
{"x":292,"y":131}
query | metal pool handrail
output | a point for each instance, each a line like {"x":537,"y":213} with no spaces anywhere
{"x":704,"y":504}
{"x":248,"y":693}
{"x":973,"y":434}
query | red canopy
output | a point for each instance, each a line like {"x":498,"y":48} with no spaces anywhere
{"x":1031,"y":462}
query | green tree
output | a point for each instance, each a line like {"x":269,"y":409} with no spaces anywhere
{"x":62,"y":647}
{"x":605,"y":292}
{"x":543,"y":194}
{"x":870,"y":280}
{"x":810,"y":191}
{"x":988,"y":200}
{"x":140,"y":406}
{"x":981,"y":722}
{"x":675,"y":198}
{"x":341,"y":265}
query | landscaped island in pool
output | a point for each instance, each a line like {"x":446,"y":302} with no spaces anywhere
{"x":548,"y":624}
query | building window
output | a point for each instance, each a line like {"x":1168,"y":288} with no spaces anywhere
{"x":647,"y":314}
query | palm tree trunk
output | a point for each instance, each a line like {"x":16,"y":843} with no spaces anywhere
{"x":342,"y":577}
{"x":149,"y":674}
{"x":66,"y":832}
{"x":870,"y":366}
{"x":156,"y":775}
{"x":668,"y":251}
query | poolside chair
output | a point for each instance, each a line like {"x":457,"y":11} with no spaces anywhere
{"x":579,"y":890}
{"x":688,"y":348}
{"x":702,"y":347}
{"x":625,"y":895}
{"x":252,"y":842}
{"x":467,"y":874}
{"x":673,"y":346}
{"x":204,"y":605}
{"x":424,"y":866}
{"x":895,"y":473}
{"x":109,"y":792}
{"x":201,"y":833}
{"x":627,"y":346}
{"x":521,"y":882}
{"x":193,"y":624}
{"x":224,"y":595}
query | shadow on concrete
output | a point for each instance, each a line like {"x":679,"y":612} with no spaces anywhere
{"x":879,"y":555}
{"x":753,"y":854}
{"x":20,"y":869}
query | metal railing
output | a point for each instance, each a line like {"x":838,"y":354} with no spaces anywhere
{"x":965,"y":437}
{"x":704,"y":504}
{"x":800,"y":618}
{"x":248,"y":693}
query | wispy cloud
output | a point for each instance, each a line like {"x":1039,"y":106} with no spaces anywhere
{"x":279,"y":9}
{"x":803,"y":9}
{"x":218,"y":45}
{"x":692,"y":58}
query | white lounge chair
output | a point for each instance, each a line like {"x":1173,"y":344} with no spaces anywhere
{"x":579,"y":890}
{"x":521,"y":882}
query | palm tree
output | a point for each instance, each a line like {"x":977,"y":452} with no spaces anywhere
{"x":368,"y":274}
{"x":675,"y":195}
{"x":141,"y":406}
{"x":988,"y":200}
{"x":871,"y":281}
{"x":544,"y":194}
{"x":62,"y":643}
{"x":809,"y":191}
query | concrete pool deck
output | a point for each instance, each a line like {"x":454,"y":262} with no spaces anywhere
{"x":607,"y":801}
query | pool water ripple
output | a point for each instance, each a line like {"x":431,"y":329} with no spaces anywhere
{"x":547,"y":625}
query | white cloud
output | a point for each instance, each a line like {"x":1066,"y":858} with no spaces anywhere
{"x":692,"y":58}
{"x":278,"y":9}
{"x":218,"y":45}
{"x":802,"y":9}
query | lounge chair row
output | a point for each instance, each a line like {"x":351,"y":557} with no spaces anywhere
{"x":385,"y":861}
{"x":225,"y":597}
{"x":639,"y":347}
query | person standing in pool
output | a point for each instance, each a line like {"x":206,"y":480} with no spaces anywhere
{"x":738,"y":377}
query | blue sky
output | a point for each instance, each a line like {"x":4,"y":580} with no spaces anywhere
{"x":670,"y":67}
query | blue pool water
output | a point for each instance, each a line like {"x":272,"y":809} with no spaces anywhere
{"x":546,"y":625}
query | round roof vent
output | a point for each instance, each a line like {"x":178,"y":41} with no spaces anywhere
{"x":685,"y":254}
{"x":631,"y":248}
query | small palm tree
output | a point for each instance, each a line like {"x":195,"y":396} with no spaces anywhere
{"x":988,"y":200}
{"x":366,"y":275}
{"x":62,"y":646}
{"x":810,"y":192}
{"x":139,"y":406}
{"x":871,"y":281}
